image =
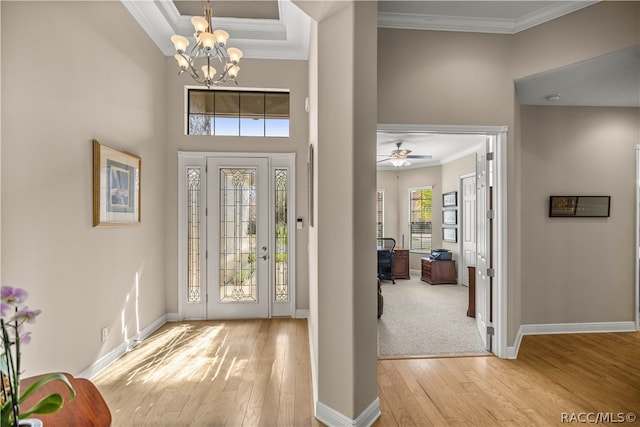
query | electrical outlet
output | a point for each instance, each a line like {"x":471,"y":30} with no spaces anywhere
{"x":105,"y":334}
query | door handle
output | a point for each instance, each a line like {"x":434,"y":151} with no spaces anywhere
{"x":265,"y":257}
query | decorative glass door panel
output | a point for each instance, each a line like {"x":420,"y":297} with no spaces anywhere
{"x":238,"y":234}
{"x":238,"y":251}
{"x":281,"y":244}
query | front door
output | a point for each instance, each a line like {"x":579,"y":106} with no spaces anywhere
{"x":238,"y":249}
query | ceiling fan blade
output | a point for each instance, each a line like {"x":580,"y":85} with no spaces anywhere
{"x":383,"y":160}
{"x":419,"y":156}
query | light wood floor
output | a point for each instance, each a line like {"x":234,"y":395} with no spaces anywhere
{"x":222,"y":373}
{"x":256,"y":373}
{"x":554,"y":374}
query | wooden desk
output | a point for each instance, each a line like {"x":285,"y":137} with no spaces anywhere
{"x":437,"y":272}
{"x":88,"y":409}
{"x":400,"y":264}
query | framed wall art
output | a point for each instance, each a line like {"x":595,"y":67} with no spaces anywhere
{"x":450,"y":199}
{"x":450,"y":217}
{"x":116,"y":186}
{"x":450,"y":234}
{"x":579,"y":206}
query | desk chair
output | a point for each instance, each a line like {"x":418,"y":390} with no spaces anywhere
{"x":385,"y":258}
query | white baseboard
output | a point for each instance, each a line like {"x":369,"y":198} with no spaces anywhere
{"x":333,"y":418}
{"x":567,"y":328}
{"x":302,"y":314}
{"x":173,"y":317}
{"x":313,"y":361}
{"x":121,"y":349}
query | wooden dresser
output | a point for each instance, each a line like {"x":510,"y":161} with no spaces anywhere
{"x":436,"y":272}
{"x":400,"y":264}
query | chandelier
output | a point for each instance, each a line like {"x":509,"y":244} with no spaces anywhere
{"x":210,"y":45}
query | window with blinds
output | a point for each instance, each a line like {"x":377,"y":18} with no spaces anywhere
{"x":238,"y":113}
{"x":420,"y":219}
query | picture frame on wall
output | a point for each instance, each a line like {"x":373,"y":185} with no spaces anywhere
{"x":580,"y":206}
{"x":116,"y":186}
{"x":450,"y":199}
{"x":450,"y":234}
{"x":449,"y":217}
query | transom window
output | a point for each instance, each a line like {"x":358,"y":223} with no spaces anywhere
{"x":238,"y":113}
{"x":420,"y":219}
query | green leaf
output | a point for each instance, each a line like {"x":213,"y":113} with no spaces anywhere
{"x":44,"y":380}
{"x":47,"y":405}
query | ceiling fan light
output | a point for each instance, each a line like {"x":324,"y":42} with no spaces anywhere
{"x":399,"y":162}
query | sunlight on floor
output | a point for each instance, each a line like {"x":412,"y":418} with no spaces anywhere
{"x":157,"y":358}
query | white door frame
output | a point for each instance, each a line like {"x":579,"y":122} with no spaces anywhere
{"x":198,"y":159}
{"x":500,"y":250}
{"x":637,"y":251}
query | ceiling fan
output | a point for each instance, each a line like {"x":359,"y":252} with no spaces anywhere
{"x":400,"y":156}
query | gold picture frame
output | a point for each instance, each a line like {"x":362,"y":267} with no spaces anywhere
{"x":116,"y":186}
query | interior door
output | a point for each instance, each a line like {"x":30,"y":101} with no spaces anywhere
{"x":237,"y":238}
{"x":482,"y":246}
{"x":468,"y":226}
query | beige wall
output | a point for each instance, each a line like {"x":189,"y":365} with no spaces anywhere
{"x":267,"y":74}
{"x":590,"y":32}
{"x":578,"y":269}
{"x":451,"y":173}
{"x":444,"y":78}
{"x":109,"y":86}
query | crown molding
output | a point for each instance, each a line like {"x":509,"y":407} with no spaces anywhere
{"x":284,"y":38}
{"x":414,"y":21}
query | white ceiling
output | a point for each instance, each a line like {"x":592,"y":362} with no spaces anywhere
{"x":612,"y":80}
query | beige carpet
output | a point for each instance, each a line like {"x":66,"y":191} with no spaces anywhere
{"x":426,"y":320}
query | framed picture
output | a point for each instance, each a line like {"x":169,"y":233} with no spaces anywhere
{"x":310,"y":183}
{"x":450,"y":234}
{"x":116,"y":186}
{"x":579,"y":206}
{"x":450,"y":217}
{"x":450,"y":199}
